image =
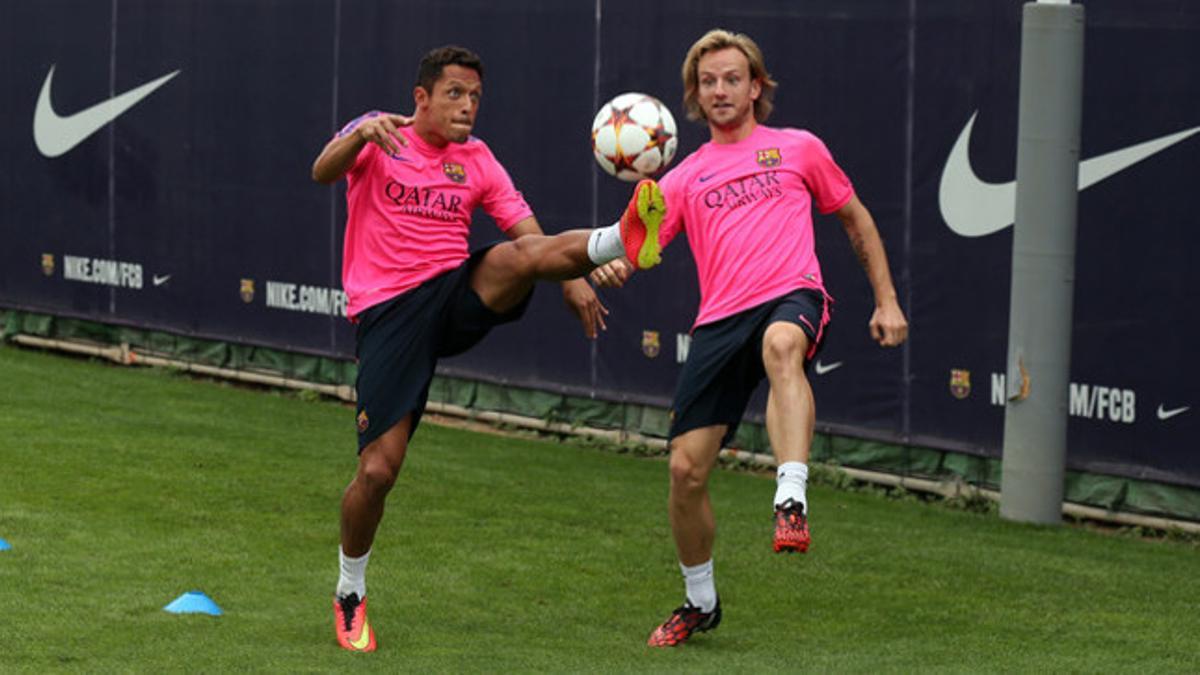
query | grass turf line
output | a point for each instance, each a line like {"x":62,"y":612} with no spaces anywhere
{"x":122,"y":488}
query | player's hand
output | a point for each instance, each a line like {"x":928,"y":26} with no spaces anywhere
{"x":888,"y":326}
{"x":612,"y":274}
{"x":383,"y":130}
{"x":583,"y":303}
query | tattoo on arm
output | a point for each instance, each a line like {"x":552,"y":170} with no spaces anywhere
{"x":860,"y":249}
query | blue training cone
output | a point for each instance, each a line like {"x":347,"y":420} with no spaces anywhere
{"x":4,"y":546}
{"x":193,"y":602}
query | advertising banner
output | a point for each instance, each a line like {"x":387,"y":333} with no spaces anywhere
{"x":157,"y":161}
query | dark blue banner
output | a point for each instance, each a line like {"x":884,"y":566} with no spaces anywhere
{"x":156,"y":173}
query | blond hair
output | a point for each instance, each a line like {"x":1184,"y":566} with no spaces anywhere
{"x":715,"y":40}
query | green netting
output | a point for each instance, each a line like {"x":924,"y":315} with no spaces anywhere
{"x":1102,"y":491}
{"x":1156,"y":498}
{"x":452,"y":391}
{"x":594,"y":413}
{"x":1108,"y":492}
{"x":505,"y":398}
{"x":980,"y":471}
{"x":317,"y":369}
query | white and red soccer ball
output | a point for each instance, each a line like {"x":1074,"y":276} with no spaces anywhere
{"x":634,"y":136}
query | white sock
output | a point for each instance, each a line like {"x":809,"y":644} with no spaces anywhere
{"x":353,"y":577}
{"x":791,"y":481}
{"x":701,"y":591}
{"x":605,"y":244}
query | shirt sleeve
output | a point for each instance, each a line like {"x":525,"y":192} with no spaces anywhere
{"x":501,"y":199}
{"x":365,"y":156}
{"x":829,"y":185}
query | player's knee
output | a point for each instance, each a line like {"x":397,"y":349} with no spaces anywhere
{"x":784,"y":347}
{"x":377,"y":477}
{"x":686,"y":473}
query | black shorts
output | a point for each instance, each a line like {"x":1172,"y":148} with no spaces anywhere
{"x":724,"y":363}
{"x":399,"y":341}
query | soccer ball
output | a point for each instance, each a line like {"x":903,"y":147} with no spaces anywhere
{"x":633,"y":136}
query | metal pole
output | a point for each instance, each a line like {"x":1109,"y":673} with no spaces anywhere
{"x":1043,"y":267}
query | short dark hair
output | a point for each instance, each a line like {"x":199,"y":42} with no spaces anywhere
{"x":436,"y":60}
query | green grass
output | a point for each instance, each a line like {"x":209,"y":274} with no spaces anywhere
{"x":122,"y":488}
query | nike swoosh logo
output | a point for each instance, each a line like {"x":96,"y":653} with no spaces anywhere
{"x":364,"y":636}
{"x":705,"y":179}
{"x":822,"y":368}
{"x":159,"y":281}
{"x":974,"y":208}
{"x":55,"y":135}
{"x":1168,"y":414}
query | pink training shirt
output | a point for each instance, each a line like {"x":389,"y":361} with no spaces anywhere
{"x":408,"y":215}
{"x":747,"y":211}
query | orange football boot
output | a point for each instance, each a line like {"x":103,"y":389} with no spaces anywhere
{"x":351,"y":625}
{"x":639,"y":225}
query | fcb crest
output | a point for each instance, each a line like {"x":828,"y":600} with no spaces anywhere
{"x":247,"y":290}
{"x":769,"y":157}
{"x":48,"y":264}
{"x":363,"y":421}
{"x":455,"y":172}
{"x":960,"y":383}
{"x":650,"y":343}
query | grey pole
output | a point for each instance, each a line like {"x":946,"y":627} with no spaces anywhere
{"x":1043,"y":267}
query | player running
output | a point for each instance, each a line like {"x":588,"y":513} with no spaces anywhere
{"x":745,"y":200}
{"x":415,"y":291}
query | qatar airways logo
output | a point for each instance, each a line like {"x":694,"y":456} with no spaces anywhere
{"x":744,"y":191}
{"x":423,"y":201}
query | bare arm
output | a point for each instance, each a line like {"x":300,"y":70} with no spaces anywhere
{"x":524,"y":228}
{"x":579,"y":296}
{"x":339,"y":154}
{"x":888,"y":325}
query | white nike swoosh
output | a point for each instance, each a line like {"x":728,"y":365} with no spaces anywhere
{"x":973,"y":208}
{"x":822,"y":368}
{"x":159,"y":281}
{"x":56,"y":135}
{"x":1168,"y":414}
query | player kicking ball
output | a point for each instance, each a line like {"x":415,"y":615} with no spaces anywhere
{"x":415,"y":291}
{"x":745,"y":200}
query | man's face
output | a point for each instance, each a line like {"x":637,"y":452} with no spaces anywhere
{"x":453,"y":104}
{"x":727,"y":93}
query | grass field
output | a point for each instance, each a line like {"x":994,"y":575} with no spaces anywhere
{"x":122,"y":488}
